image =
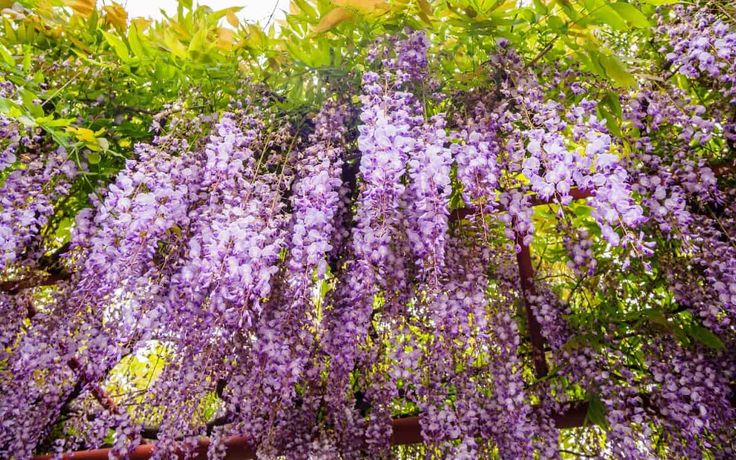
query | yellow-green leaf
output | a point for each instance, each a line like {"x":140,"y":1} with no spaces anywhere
{"x":306,"y":8}
{"x":93,"y":158}
{"x":116,"y":15}
{"x":232,"y":19}
{"x":425,"y":11}
{"x":617,"y":71}
{"x":6,"y":56}
{"x":660,"y":2}
{"x":198,"y":40}
{"x":609,"y":16}
{"x":118,"y":45}
{"x":631,"y":14}
{"x":82,"y":7}
{"x":135,"y":42}
{"x":175,"y":46}
{"x":364,"y":6}
{"x":83,"y":134}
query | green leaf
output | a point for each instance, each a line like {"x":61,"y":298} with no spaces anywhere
{"x":6,"y":56}
{"x":306,"y":8}
{"x":9,"y":107}
{"x":93,"y":158}
{"x":631,"y":14}
{"x":706,"y":337}
{"x":136,"y":44}
{"x":27,"y":121}
{"x":27,"y":57}
{"x":611,"y":101}
{"x":660,"y":2}
{"x":28,"y":97}
{"x":582,"y":210}
{"x":49,"y":121}
{"x":590,"y":62}
{"x":596,"y":412}
{"x":608,"y":16}
{"x":617,"y":71}
{"x":556,"y":24}
{"x":657,"y":317}
{"x":118,"y":45}
{"x":540,"y":7}
{"x":198,"y":41}
{"x":610,"y":109}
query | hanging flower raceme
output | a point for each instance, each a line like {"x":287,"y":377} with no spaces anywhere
{"x":701,"y":44}
{"x":225,"y":275}
{"x":393,"y":138}
{"x":457,"y":314}
{"x":429,"y":191}
{"x":476,"y":155}
{"x":316,"y":195}
{"x":508,"y":412}
{"x":551,"y":159}
{"x":231,"y":244}
{"x":691,"y":390}
{"x":11,"y":134}
{"x":34,"y":182}
{"x":284,"y":345}
{"x":670,"y":185}
{"x":27,"y":200}
{"x":385,"y":144}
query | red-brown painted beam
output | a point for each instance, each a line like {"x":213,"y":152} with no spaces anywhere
{"x":406,"y":431}
{"x":575,"y":193}
{"x":526,"y":279}
{"x":15,"y":286}
{"x":237,"y":449}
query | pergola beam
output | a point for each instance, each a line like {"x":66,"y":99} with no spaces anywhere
{"x":406,"y":431}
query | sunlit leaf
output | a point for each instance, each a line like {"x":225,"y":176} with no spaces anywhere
{"x":82,"y":7}
{"x":661,"y":2}
{"x":115,"y":15}
{"x":140,"y":24}
{"x":232,"y":19}
{"x":425,"y":11}
{"x":117,"y":44}
{"x":631,"y":14}
{"x":332,"y":19}
{"x":225,"y":38}
{"x":617,"y":71}
{"x":364,"y":6}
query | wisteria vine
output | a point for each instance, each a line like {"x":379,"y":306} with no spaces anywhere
{"x":306,"y":282}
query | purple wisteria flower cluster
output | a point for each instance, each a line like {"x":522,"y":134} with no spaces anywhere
{"x":32,"y":182}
